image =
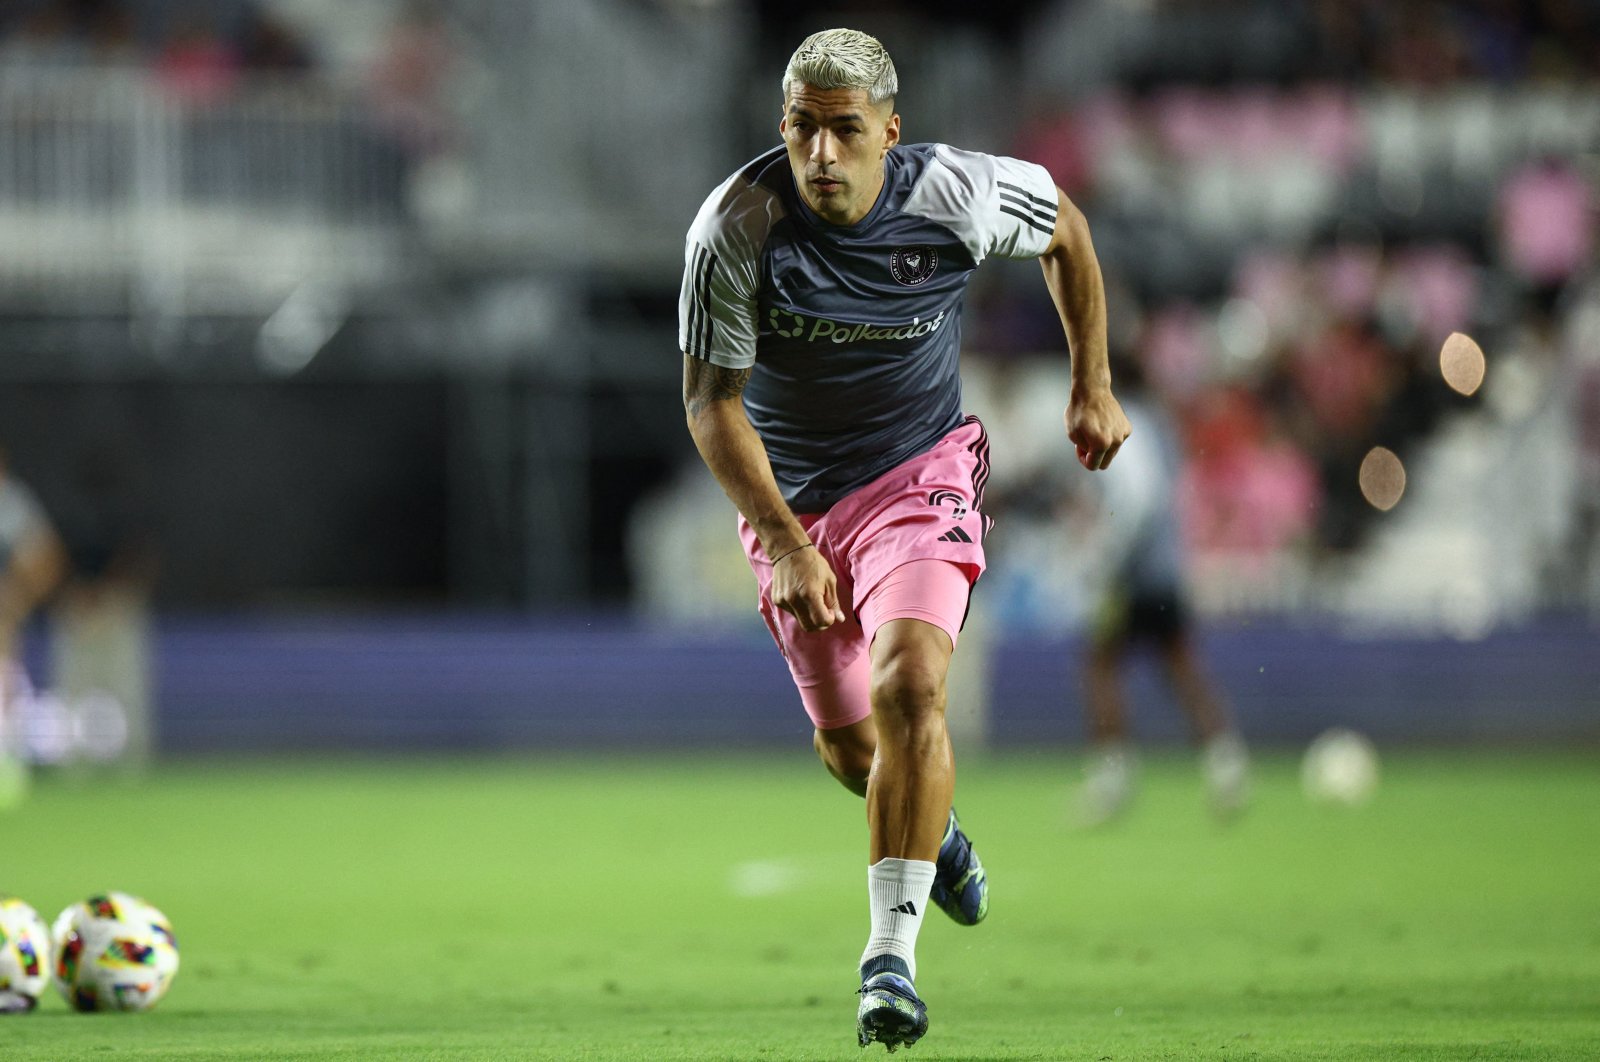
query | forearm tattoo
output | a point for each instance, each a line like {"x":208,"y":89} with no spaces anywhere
{"x":704,"y":383}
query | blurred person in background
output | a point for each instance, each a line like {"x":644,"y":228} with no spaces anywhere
{"x":32,"y":563}
{"x":1144,"y":602}
{"x":819,"y":322}
{"x":408,"y":86}
{"x":197,"y":63}
{"x":410,"y":77}
{"x":100,"y":620}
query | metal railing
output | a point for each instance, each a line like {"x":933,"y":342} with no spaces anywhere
{"x":116,"y":192}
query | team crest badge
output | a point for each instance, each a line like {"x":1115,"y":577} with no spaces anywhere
{"x":913,"y":265}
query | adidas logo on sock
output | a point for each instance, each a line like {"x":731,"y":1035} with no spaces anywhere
{"x":907,"y":908}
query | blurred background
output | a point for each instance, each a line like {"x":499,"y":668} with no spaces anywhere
{"x":338,"y":349}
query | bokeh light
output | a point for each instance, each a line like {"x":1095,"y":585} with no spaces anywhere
{"x":1382,"y":478}
{"x":1462,"y":363}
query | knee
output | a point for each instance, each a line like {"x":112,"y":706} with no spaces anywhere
{"x":907,"y":689}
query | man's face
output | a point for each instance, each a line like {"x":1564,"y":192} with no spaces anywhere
{"x":837,"y":139}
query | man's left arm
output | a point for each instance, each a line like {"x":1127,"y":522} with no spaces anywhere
{"x":1095,"y":422}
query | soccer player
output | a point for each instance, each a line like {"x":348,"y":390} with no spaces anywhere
{"x":1145,"y":602}
{"x":32,"y":563}
{"x":820,"y":322}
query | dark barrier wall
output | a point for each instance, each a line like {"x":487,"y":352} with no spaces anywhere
{"x":417,"y":684}
{"x":1540,"y":684}
{"x":244,"y":491}
{"x":338,"y":485}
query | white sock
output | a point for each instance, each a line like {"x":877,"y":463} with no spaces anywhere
{"x":897,"y":890}
{"x":1227,"y":771}
{"x":1108,"y":782}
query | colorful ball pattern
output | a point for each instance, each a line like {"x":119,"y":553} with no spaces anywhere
{"x":114,"y":952}
{"x":24,"y":956}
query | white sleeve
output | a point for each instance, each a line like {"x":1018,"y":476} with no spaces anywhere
{"x":997,"y":205}
{"x":722,"y":275}
{"x":1023,"y":209}
{"x":21,"y":517}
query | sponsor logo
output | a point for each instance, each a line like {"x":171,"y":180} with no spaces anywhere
{"x":786,"y":324}
{"x":791,"y":325}
{"x":939,"y":497}
{"x":913,"y":265}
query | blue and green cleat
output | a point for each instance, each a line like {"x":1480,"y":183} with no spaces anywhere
{"x":890,"y":1012}
{"x":959,"y":884}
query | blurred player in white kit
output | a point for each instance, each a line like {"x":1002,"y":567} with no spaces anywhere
{"x":32,"y":564}
{"x":1145,"y":603}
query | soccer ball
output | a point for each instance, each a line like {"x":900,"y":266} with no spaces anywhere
{"x":24,"y":956}
{"x":1340,"y":767}
{"x":114,"y":952}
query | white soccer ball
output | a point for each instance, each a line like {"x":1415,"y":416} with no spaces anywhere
{"x":1340,"y":767}
{"x":24,"y":956}
{"x":114,"y":952}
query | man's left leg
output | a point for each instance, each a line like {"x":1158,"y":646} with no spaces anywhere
{"x":847,"y":750}
{"x":1225,"y":758}
{"x":1109,"y":775}
{"x":913,"y":775}
{"x":908,"y":803}
{"x":917,"y":850}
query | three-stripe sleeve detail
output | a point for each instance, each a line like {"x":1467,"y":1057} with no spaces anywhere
{"x":701,"y":323}
{"x":1027,"y":207}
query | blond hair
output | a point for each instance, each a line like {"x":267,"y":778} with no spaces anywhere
{"x":842,"y":59}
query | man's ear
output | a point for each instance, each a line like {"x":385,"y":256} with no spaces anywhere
{"x":891,"y":132}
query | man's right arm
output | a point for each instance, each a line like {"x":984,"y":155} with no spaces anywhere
{"x":802,"y":581}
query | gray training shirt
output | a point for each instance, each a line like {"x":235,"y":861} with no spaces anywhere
{"x":854,"y":332}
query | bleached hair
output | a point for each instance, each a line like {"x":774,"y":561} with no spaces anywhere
{"x":842,"y":59}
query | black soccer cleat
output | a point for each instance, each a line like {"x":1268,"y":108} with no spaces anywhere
{"x":890,"y":1011}
{"x":960,"y":886}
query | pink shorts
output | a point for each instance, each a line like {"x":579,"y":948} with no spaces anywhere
{"x":926,"y":509}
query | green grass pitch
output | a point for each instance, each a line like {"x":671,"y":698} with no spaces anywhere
{"x":713,"y":907}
